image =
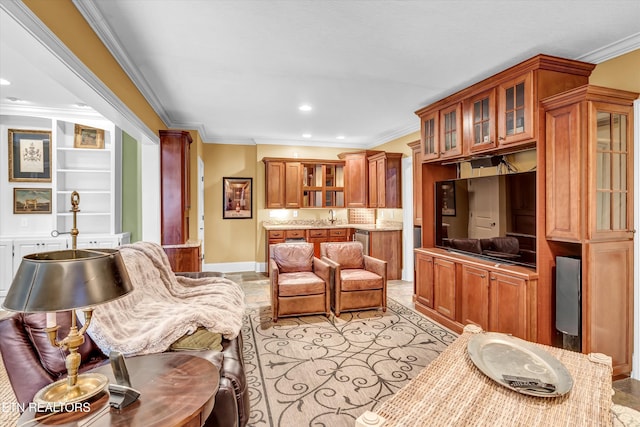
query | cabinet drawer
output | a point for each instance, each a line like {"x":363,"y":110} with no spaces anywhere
{"x":317,"y":232}
{"x":338,"y":232}
{"x":294,"y":234}
{"x":276,"y":234}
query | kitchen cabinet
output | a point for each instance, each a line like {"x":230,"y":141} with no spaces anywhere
{"x":356,"y":178}
{"x":508,"y":305}
{"x":456,"y":290}
{"x":387,"y":246}
{"x":588,"y":134}
{"x":444,"y":287}
{"x":174,"y":186}
{"x":516,"y":121}
{"x":589,"y":198}
{"x":417,"y":182}
{"x":101,"y":241}
{"x":317,"y":236}
{"x":274,"y":184}
{"x":480,"y":122}
{"x":607,"y":302}
{"x":474,"y":291}
{"x":304,"y":183}
{"x":338,"y":235}
{"x":385,"y":180}
{"x":424,"y":279}
{"x":499,"y":113}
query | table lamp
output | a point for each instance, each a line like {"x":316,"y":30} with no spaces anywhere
{"x":67,"y":280}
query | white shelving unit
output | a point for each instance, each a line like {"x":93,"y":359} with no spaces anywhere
{"x":93,"y":172}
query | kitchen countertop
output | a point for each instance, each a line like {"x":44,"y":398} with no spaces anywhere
{"x":304,"y":225}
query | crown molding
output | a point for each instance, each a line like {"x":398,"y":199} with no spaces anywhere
{"x":612,"y":50}
{"x":24,"y":17}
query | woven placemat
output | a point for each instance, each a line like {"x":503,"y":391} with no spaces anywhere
{"x":453,"y":391}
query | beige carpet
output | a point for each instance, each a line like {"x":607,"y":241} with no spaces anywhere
{"x":319,"y":371}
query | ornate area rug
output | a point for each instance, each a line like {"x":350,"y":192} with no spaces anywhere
{"x":319,"y":371}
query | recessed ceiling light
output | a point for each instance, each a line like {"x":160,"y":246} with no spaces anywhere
{"x":4,"y":82}
{"x":306,"y":135}
{"x":14,"y":99}
{"x":305,"y":107}
{"x":340,"y":137}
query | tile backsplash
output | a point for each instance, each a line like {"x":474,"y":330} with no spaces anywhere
{"x":362,"y":216}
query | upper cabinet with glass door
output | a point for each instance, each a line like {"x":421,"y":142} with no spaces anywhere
{"x":600,"y":150}
{"x":515,"y":110}
{"x":500,"y":112}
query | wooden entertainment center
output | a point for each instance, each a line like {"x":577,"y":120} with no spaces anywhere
{"x":581,"y":138}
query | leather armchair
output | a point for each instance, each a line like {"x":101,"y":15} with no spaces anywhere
{"x":299,"y":281}
{"x":359,"y":281}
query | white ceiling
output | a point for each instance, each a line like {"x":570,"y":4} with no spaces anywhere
{"x":238,"y":70}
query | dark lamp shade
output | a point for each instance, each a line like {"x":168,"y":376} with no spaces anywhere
{"x":68,"y":279}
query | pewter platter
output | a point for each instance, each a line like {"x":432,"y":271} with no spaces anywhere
{"x":528,"y":368}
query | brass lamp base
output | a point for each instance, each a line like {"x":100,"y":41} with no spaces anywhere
{"x":57,"y":396}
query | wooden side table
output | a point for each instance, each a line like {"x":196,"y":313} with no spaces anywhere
{"x":176,"y":389}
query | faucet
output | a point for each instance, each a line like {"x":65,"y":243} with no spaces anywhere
{"x":332,"y":216}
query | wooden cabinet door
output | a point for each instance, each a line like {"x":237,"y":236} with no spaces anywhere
{"x":387,"y":246}
{"x":317,"y":236}
{"x":293,"y":185}
{"x":607,"y":302}
{"x":508,"y":305}
{"x":417,"y":183}
{"x":374,"y":185}
{"x":450,"y":138}
{"x":274,"y":185}
{"x":429,"y":124}
{"x":474,"y":292}
{"x":564,"y":165}
{"x":516,"y":110}
{"x":424,"y":279}
{"x":444,"y":287}
{"x":174,"y":186}
{"x":610,"y":174}
{"x":480,"y":121}
{"x":356,"y":181}
{"x":338,"y":235}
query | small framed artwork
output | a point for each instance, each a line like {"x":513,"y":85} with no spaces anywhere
{"x":448,"y":198}
{"x":31,"y":200}
{"x":29,"y":155}
{"x":237,"y":200}
{"x":88,"y":137}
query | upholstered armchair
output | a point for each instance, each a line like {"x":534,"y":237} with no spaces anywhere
{"x":359,"y":281}
{"x":299,"y":281}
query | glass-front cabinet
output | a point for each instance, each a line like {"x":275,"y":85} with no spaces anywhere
{"x":480,"y":116}
{"x":322,"y":185}
{"x":429,"y":139}
{"x":451,"y":131}
{"x":515,"y":110}
{"x":611,"y":212}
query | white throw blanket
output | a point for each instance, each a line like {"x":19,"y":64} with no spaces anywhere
{"x":163,"y":307}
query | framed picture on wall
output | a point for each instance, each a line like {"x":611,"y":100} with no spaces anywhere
{"x":31,"y":200}
{"x":29,"y":155}
{"x":237,"y":199}
{"x":88,"y":137}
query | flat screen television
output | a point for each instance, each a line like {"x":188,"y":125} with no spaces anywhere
{"x":491,"y":217}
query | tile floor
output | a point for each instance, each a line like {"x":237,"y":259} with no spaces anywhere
{"x":256,"y":288}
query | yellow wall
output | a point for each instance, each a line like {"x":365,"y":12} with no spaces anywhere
{"x":66,"y":22}
{"x":622,"y":72}
{"x":227,"y":240}
{"x":399,"y":145}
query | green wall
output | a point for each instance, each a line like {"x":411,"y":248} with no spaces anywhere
{"x":131,"y":188}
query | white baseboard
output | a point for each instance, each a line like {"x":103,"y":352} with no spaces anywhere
{"x":235,"y":267}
